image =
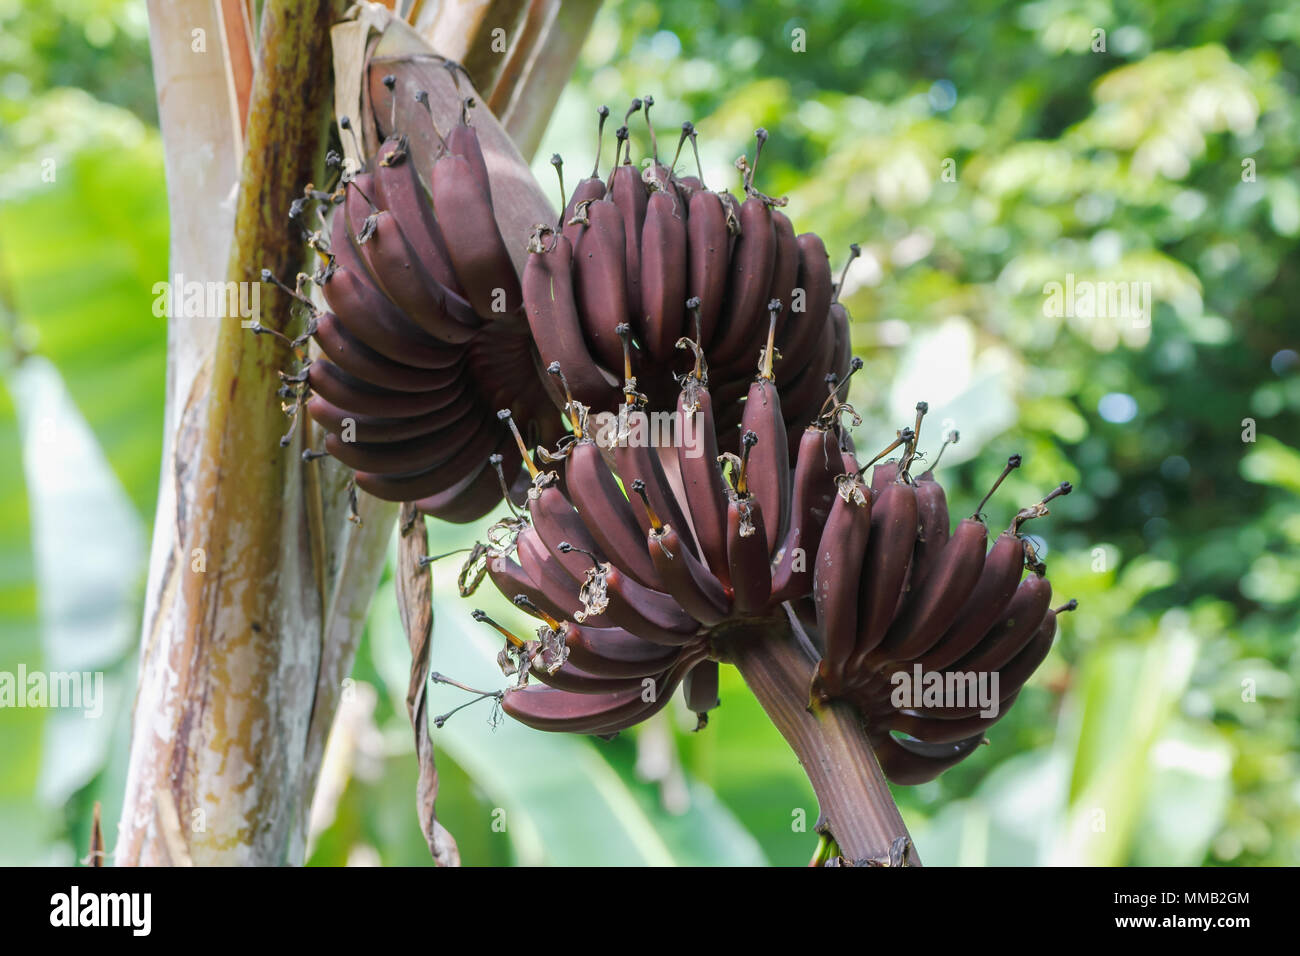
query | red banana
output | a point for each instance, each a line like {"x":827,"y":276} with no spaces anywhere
{"x":554,"y":323}
{"x":663,"y":276}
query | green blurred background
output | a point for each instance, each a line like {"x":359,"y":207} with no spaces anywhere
{"x":977,"y":151}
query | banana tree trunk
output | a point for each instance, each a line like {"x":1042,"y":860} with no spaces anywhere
{"x":259,"y":582}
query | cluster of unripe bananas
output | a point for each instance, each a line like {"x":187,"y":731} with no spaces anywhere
{"x":899,"y":591}
{"x":631,"y":584}
{"x":423,"y":337}
{"x":632,"y":590}
{"x":633,"y":249}
{"x":438,"y":371}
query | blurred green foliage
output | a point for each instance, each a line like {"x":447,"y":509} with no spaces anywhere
{"x":978,"y":152}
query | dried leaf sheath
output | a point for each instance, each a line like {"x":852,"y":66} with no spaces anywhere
{"x":415,"y":605}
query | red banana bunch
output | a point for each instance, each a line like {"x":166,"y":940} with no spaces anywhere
{"x":900,"y":595}
{"x":423,"y":335}
{"x":428,"y":326}
{"x":634,"y":582}
{"x":632,"y":248}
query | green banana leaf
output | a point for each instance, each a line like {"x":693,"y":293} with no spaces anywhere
{"x":87,"y":544}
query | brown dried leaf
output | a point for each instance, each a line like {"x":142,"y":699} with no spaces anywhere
{"x":415,"y":605}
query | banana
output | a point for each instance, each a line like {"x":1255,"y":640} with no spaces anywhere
{"x":636,"y":458}
{"x":848,"y":457}
{"x":361,"y":308}
{"x":587,"y":191}
{"x":572,"y":679}
{"x":708,"y":250}
{"x":914,"y":762}
{"x":802,"y":331}
{"x":663,"y":276}
{"x":747,"y":555}
{"x":785,"y":267}
{"x":399,"y":190}
{"x":997,"y":584}
{"x":434,"y":480}
{"x":817,"y":465}
{"x":929,"y":729}
{"x":700,"y":687}
{"x":463,"y":141}
{"x":556,"y":523}
{"x":842,"y":353}
{"x":752,"y":263}
{"x":614,"y":652}
{"x":837,"y":573}
{"x":769,"y":473}
{"x":663,"y":693}
{"x":363,"y":362}
{"x":748,"y":562}
{"x":934,"y":534}
{"x":600,"y":281}
{"x":549,"y":575}
{"x":932,"y":607}
{"x":553,"y":319}
{"x":512,"y":580}
{"x":478,"y":252}
{"x":412,"y":455}
{"x":368,"y":428}
{"x":613,"y":599}
{"x":345,"y":391}
{"x":802,"y":397}
{"x":649,"y":615}
{"x":704,"y":491}
{"x":628,"y":194}
{"x":544,"y":708}
{"x":888,"y":557}
{"x":688,"y":581}
{"x":472,"y":495}
{"x":606,"y":514}
{"x":838,"y":322}
{"x":480,"y":495}
{"x":400,"y":274}
{"x":884,"y":475}
{"x":1012,"y":676}
{"x":1013,"y":630}
{"x":329,"y":330}
{"x":731,"y":207}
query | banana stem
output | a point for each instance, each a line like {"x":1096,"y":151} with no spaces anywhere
{"x":857,"y":809}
